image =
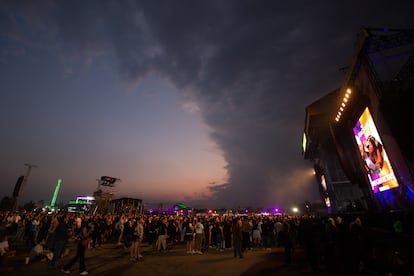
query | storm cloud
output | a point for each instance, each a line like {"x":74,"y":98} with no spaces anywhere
{"x":251,"y":67}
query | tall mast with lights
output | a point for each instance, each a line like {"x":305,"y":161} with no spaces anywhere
{"x":55,"y":194}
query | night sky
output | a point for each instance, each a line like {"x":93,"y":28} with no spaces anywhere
{"x":200,"y":102}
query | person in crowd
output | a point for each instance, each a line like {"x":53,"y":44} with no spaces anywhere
{"x":78,"y":223}
{"x":141,"y":233}
{"x":246,"y":230}
{"x":98,"y":232}
{"x":286,"y":240}
{"x":356,"y":241}
{"x":129,"y":229}
{"x":39,"y":253}
{"x":5,"y":250}
{"x":188,"y":236}
{"x":44,"y":225}
{"x":312,"y":233}
{"x":137,"y":237}
{"x":209,"y":238}
{"x":152,"y":231}
{"x":227,"y":233}
{"x":237,"y":238}
{"x":219,"y":235}
{"x":257,"y":233}
{"x":54,"y":222}
{"x":278,"y":227}
{"x":330,"y":245}
{"x":11,"y":221}
{"x":120,"y":226}
{"x":181,"y":229}
{"x":82,"y":245}
{"x":33,"y":230}
{"x":94,"y":232}
{"x":61,"y":236}
{"x":199,"y":235}
{"x":267,"y":230}
{"x":162,"y":235}
{"x":172,"y":229}
{"x":21,"y":230}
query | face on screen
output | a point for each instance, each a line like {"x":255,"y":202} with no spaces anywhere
{"x":373,"y":154}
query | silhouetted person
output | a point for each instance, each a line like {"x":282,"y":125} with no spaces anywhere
{"x":83,"y":242}
{"x":60,"y":239}
{"x":287,"y":242}
{"x":237,"y":238}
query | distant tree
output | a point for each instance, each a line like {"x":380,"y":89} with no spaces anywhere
{"x":6,"y":203}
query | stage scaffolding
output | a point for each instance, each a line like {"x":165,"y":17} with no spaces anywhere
{"x":127,"y":205}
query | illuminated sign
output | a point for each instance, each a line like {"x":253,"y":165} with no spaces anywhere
{"x":85,"y":199}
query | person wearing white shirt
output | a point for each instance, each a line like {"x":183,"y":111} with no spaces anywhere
{"x":199,"y":234}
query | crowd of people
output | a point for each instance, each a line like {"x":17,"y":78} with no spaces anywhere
{"x":332,"y":243}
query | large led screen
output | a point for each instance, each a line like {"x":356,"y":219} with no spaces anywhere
{"x":373,"y":154}
{"x":325,"y":192}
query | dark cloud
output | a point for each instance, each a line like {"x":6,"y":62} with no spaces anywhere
{"x":251,"y":66}
{"x":218,"y":187}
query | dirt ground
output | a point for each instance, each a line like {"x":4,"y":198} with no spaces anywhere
{"x":114,"y":260}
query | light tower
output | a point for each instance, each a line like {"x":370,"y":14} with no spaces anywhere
{"x":105,"y":192}
{"x":55,"y":194}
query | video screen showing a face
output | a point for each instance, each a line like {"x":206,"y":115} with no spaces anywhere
{"x":373,"y":154}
